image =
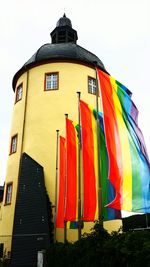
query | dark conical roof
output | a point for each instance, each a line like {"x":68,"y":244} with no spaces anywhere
{"x":64,"y":21}
{"x":62,"y":48}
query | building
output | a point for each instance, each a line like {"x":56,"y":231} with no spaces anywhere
{"x":45,"y":89}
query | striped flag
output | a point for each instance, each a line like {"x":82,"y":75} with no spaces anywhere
{"x":129,"y":167}
{"x":108,"y":192}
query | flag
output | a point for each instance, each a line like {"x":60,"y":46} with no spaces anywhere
{"x":72,"y":225}
{"x":89,"y":162}
{"x":129,"y":167}
{"x":61,"y":190}
{"x":71,"y":198}
{"x":108,"y":192}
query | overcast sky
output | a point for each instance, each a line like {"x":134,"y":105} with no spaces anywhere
{"x":117,"y":31}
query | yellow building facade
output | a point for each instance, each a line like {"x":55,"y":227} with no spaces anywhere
{"x":46,"y":89}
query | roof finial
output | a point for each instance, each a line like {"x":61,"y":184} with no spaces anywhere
{"x":64,"y":16}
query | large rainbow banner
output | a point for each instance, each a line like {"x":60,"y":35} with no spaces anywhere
{"x":129,"y":167}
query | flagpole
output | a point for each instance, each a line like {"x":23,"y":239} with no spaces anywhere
{"x":65,"y":222}
{"x":100,"y":215}
{"x":56,"y":184}
{"x":79,"y":171}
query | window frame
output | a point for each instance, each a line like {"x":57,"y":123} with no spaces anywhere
{"x":12,"y":152}
{"x":20,"y":85}
{"x":89,"y":77}
{"x":50,"y":73}
{"x":6,"y":194}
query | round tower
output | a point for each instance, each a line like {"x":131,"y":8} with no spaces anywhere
{"x":45,"y":89}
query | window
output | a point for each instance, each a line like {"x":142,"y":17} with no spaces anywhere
{"x":51,"y":81}
{"x":8,"y":194}
{"x":19,"y":92}
{"x":13,"y":147}
{"x":92,"y":85}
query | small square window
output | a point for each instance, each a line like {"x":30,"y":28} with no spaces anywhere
{"x":51,"y":81}
{"x":19,"y":92}
{"x":8,"y":194}
{"x":13,"y":147}
{"x":92,"y":85}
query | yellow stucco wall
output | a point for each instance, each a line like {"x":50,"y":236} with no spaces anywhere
{"x":7,"y":211}
{"x":44,"y":114}
{"x":46,"y":109}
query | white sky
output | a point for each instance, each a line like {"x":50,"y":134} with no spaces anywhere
{"x":117,"y":31}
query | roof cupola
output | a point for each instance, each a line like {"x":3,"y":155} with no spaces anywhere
{"x":64,"y":33}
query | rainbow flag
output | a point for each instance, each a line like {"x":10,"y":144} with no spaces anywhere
{"x":72,"y":225}
{"x":61,"y":184}
{"x":129,"y":167}
{"x":90,"y":168}
{"x":108,"y":192}
{"x":71,"y":196}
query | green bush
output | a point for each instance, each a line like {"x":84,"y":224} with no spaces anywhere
{"x":4,"y":264}
{"x":130,"y":249}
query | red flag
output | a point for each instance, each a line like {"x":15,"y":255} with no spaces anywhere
{"x":89,"y":156}
{"x":71,"y":172}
